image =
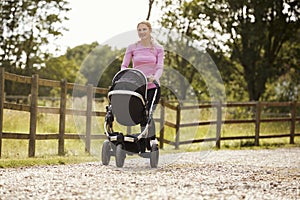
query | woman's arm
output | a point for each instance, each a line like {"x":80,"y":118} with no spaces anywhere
{"x":127,"y":57}
{"x":160,"y":63}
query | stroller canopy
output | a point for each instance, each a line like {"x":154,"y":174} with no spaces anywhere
{"x":130,"y":79}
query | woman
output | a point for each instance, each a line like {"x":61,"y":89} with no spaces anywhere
{"x":147,"y":56}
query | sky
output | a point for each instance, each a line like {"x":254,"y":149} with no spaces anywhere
{"x":99,"y":20}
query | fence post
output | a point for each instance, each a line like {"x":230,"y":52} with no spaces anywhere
{"x":257,"y":122}
{"x":178,"y":113}
{"x":62,"y":117}
{"x":33,"y":114}
{"x":89,"y":107}
{"x":293,"y":122}
{"x":219,"y":123}
{"x":2,"y":99}
{"x":161,"y":124}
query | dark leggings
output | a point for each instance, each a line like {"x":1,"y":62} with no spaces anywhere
{"x":150,"y":95}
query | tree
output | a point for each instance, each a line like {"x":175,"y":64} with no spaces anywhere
{"x":83,"y":64}
{"x":189,"y":72}
{"x":79,"y":53}
{"x":149,"y":9}
{"x":27,"y":28}
{"x":287,"y":86}
{"x":101,"y":64}
{"x":66,"y":67}
{"x":255,"y":33}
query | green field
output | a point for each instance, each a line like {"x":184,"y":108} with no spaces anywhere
{"x":46,"y":150}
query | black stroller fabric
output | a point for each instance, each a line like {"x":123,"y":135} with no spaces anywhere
{"x":132,"y":80}
{"x":128,"y":97}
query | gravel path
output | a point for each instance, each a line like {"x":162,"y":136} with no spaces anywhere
{"x":224,"y":174}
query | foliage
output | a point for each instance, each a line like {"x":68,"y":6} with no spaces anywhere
{"x":101,"y":65}
{"x":248,"y":39}
{"x":79,"y":53}
{"x":68,"y":65}
{"x":255,"y":45}
{"x":27,"y":28}
{"x":58,"y":68}
{"x":85,"y":64}
{"x":287,"y":86}
{"x":65,"y":67}
{"x":189,"y":72}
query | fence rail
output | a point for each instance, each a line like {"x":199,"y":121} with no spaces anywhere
{"x":88,"y":113}
{"x":292,"y":118}
{"x":34,"y":109}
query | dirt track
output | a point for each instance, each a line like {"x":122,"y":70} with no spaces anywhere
{"x":224,"y":174}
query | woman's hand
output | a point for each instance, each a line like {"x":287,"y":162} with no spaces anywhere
{"x":151,"y":78}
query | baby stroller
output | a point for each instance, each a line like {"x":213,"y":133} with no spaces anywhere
{"x":128,"y":104}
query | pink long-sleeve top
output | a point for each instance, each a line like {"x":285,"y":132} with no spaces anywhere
{"x":150,"y":60}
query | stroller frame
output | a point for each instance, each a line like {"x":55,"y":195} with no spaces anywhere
{"x":118,"y":144}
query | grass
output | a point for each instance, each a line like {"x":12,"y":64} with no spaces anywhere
{"x":46,"y":160}
{"x":15,"y":152}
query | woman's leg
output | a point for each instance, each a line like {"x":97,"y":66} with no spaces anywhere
{"x":150,"y":96}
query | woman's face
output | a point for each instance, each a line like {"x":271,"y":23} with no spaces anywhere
{"x":143,"y":31}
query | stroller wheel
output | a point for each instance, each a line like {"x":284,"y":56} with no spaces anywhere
{"x":120,"y":156}
{"x":106,"y":152}
{"x":154,"y":156}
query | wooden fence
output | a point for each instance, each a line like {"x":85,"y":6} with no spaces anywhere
{"x":62,"y":111}
{"x":91,"y":91}
{"x":257,"y":120}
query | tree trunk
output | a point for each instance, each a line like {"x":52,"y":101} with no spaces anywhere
{"x":150,"y":8}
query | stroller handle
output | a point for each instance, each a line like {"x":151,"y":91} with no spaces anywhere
{"x":156,"y":83}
